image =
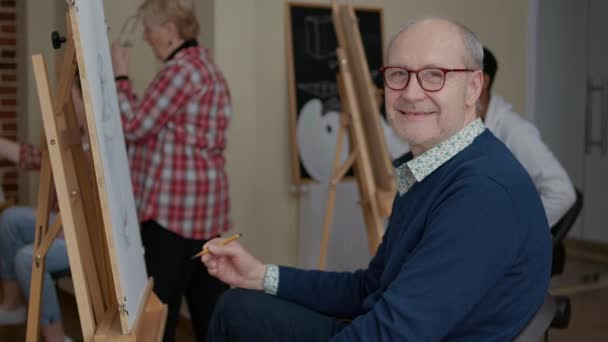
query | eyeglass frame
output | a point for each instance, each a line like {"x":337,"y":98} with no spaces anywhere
{"x":416,"y":72}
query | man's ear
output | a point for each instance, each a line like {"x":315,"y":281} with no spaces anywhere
{"x":486,"y":81}
{"x":476,"y":84}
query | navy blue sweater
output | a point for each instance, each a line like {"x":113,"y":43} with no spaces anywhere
{"x":466,"y":257}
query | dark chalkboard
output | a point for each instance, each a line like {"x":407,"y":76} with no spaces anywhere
{"x":314,"y":99}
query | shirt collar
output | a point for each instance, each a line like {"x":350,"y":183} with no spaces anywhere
{"x":410,"y":171}
{"x":186,"y":44}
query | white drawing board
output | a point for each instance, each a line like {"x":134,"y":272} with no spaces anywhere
{"x":110,"y":158}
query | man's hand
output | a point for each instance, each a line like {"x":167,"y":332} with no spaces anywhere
{"x":120,"y":59}
{"x":233,"y":265}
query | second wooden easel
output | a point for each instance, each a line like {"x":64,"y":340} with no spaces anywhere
{"x":66,"y":162}
{"x":361,"y":120}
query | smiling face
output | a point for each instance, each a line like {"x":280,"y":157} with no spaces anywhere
{"x":423,"y":118}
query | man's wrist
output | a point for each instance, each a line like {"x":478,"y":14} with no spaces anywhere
{"x":271,"y":279}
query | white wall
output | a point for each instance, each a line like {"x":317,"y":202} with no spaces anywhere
{"x":564,"y":48}
{"x":558,"y":103}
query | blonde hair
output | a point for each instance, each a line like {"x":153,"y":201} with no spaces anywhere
{"x":180,"y":12}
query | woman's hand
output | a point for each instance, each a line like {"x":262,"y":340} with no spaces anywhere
{"x":233,"y":265}
{"x":120,"y":59}
{"x":9,"y":150}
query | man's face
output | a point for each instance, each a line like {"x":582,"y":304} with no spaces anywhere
{"x":424,"y":118}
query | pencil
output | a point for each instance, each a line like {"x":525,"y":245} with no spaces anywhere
{"x":227,"y":241}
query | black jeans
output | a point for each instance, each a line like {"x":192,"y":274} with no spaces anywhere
{"x":169,"y":261}
{"x":244,"y":315}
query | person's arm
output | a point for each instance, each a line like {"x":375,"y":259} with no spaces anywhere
{"x":465,"y":250}
{"x":167,"y":93}
{"x":339,"y":294}
{"x":549,"y":177}
{"x":9,"y":150}
{"x":30,"y":157}
{"x":26,"y":156}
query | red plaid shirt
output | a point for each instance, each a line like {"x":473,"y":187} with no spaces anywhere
{"x":30,"y":157}
{"x":176,"y":136}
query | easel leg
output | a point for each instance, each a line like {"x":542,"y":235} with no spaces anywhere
{"x":33,"y":313}
{"x":331,"y":198}
{"x":42,"y":216}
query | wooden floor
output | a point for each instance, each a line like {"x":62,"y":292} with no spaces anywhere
{"x":72,"y":324}
{"x":588,"y":323}
{"x":589,"y":309}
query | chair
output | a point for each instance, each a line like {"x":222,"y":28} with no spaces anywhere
{"x":539,"y":323}
{"x":559,"y":232}
{"x":61,"y":274}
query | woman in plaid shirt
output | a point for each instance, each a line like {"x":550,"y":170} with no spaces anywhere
{"x":176,"y":136}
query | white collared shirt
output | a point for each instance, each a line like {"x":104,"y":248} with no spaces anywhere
{"x":523,"y":139}
{"x":417,"y":169}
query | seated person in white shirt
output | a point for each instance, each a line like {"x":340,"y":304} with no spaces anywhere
{"x":524,"y":141}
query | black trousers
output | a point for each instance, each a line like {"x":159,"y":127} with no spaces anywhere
{"x":244,"y":315}
{"x":169,"y":261}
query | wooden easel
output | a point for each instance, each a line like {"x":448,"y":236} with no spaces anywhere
{"x":65,"y":161}
{"x":360,"y":119}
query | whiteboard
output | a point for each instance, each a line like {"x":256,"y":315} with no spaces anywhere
{"x":110,"y":158}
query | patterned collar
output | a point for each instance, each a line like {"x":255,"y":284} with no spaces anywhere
{"x":410,"y":171}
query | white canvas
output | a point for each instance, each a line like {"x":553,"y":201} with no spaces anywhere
{"x":115,"y":183}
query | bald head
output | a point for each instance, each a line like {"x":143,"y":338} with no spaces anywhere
{"x":445,"y":32}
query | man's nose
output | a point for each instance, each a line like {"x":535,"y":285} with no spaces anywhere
{"x":413,"y":91}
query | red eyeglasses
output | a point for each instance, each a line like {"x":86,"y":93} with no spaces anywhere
{"x":430,"y":79}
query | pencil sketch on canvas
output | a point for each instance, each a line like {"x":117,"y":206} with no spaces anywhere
{"x":109,"y":150}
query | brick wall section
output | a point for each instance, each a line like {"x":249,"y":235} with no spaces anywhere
{"x":8,"y":90}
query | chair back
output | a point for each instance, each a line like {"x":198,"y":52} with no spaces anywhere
{"x":539,"y":323}
{"x":563,"y":226}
